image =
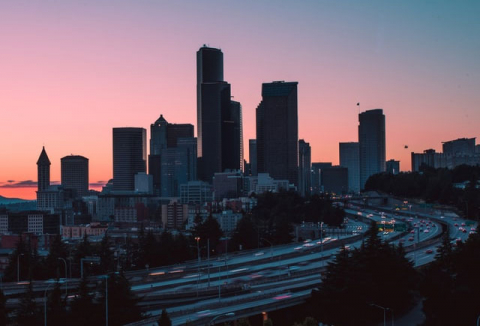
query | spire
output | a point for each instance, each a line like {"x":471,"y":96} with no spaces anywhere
{"x":43,"y":159}
{"x":161,"y":121}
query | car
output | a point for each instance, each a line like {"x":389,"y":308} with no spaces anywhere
{"x":410,"y":239}
{"x":463,"y":224}
{"x":428,"y":251}
{"x":413,"y":231}
{"x":456,"y":224}
{"x":426,"y":231}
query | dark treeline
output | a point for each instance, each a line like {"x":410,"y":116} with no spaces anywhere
{"x":434,"y":185}
{"x":272,"y":220}
{"x":451,"y":284}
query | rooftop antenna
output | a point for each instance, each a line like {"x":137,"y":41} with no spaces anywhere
{"x":358,"y":104}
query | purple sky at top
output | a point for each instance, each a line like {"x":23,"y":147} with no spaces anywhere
{"x":70,"y":71}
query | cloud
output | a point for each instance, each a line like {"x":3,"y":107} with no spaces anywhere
{"x":98,"y":184}
{"x":20,"y":184}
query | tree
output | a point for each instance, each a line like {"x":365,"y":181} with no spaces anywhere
{"x":451,"y":284}
{"x":106,"y":256}
{"x":122,"y":303}
{"x":309,"y":321}
{"x":57,"y":250}
{"x":3,"y":309}
{"x":245,"y":234}
{"x":83,"y":302}
{"x":56,"y":307}
{"x":377,"y":273}
{"x":27,"y":313}
{"x":164,"y":319}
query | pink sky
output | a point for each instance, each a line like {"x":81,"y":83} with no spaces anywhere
{"x":70,"y":71}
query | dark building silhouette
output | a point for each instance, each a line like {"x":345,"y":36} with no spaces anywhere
{"x":74,"y":174}
{"x":317,"y":169}
{"x":277,"y":131}
{"x":349,"y":158}
{"x":304,"y":168}
{"x":218,"y":119}
{"x":393,"y":166}
{"x":371,"y":140}
{"x":129,"y":156}
{"x":43,"y":171}
{"x":163,"y":136}
{"x":252,"y":152}
{"x":335,"y":180}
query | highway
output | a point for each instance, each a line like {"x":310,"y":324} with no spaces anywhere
{"x":249,"y":282}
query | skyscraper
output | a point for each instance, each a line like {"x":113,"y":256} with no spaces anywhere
{"x":277,"y":131}
{"x":349,"y":158}
{"x":317,"y":182}
{"x":252,"y":152}
{"x":218,"y":119}
{"x":371,"y":139}
{"x":129,"y":156}
{"x":178,"y":166}
{"x":75,"y":174}
{"x":304,"y":168}
{"x":164,"y":136}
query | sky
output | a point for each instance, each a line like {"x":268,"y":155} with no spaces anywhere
{"x":71,"y":70}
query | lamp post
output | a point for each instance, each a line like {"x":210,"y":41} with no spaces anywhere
{"x":218,"y":316}
{"x":198,"y":265}
{"x":66,"y":276}
{"x":18,"y":266}
{"x":384,"y":310}
{"x":106,"y":294}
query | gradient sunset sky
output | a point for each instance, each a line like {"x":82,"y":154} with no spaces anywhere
{"x":70,"y":71}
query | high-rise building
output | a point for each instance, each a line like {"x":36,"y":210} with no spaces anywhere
{"x":234,"y":150}
{"x":75,"y":174}
{"x":304,"y":168}
{"x":371,"y":139}
{"x":393,"y":166}
{"x":164,"y":136}
{"x":349,"y":158}
{"x":277,"y":131}
{"x":129,"y":156}
{"x":317,"y":169}
{"x":459,"y":146}
{"x":178,"y":166}
{"x":335,"y":180}
{"x":252,"y":152}
{"x":218,"y":119}
{"x":43,"y":171}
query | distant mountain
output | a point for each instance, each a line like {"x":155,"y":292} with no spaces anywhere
{"x":6,"y":201}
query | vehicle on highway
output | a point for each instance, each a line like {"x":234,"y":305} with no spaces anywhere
{"x":428,"y":251}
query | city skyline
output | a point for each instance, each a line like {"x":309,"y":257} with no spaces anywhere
{"x":79,"y":70}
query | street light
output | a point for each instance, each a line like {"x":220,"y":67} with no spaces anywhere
{"x":18,"y":266}
{"x":198,"y":265}
{"x":229,"y":314}
{"x":106,"y":294}
{"x":384,"y":313}
{"x":66,"y":276}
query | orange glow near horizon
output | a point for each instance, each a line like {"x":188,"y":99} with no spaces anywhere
{"x":72,"y":71}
